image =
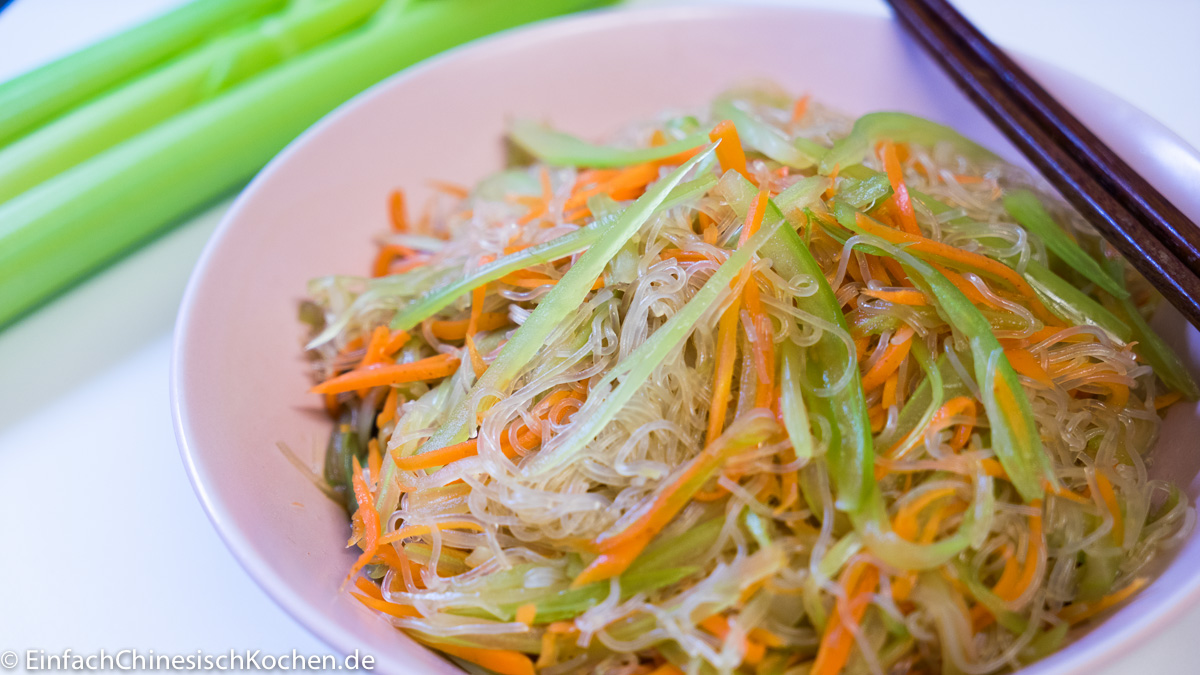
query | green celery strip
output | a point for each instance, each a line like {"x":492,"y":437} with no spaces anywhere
{"x":83,"y":218}
{"x":761,"y":137}
{"x":560,"y":149}
{"x":1165,"y":362}
{"x":32,"y":99}
{"x":900,"y":127}
{"x":932,"y":388}
{"x":1071,"y":304}
{"x":1027,"y":209}
{"x":564,"y":298}
{"x":172,"y":88}
{"x":638,"y":366}
{"x":832,"y":387}
{"x":1015,"y":439}
{"x":791,"y":401}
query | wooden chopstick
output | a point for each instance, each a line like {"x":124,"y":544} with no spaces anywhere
{"x":1122,"y":224}
{"x":1140,"y":198}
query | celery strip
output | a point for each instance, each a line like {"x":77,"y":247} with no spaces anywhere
{"x":791,"y":402}
{"x":74,"y":223}
{"x":563,"y":299}
{"x":1071,"y":304}
{"x":638,"y":366}
{"x":560,"y":149}
{"x":1027,"y":209}
{"x":900,"y":127}
{"x":31,"y":99}
{"x":172,"y":88}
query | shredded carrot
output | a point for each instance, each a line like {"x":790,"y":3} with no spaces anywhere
{"x":387,"y":255}
{"x":1109,"y":496}
{"x":457,"y":329}
{"x":526,"y":614}
{"x":959,"y":406}
{"x":452,"y":189}
{"x":431,"y":368}
{"x":385,"y":607}
{"x":658,"y":139}
{"x":727,"y":341}
{"x":889,"y":390}
{"x":635,"y":177}
{"x":1024,"y":362}
{"x":905,"y":524}
{"x":831,"y":191}
{"x":478,"y":295}
{"x":370,"y":520}
{"x":907,"y":296}
{"x":666,"y":669}
{"x":500,"y":661}
{"x":800,"y":109}
{"x":1076,"y":613}
{"x":889,"y":361}
{"x":408,"y":531}
{"x":761,"y":330}
{"x":900,"y":199}
{"x":1017,"y":586}
{"x":957,"y":257}
{"x":374,"y":459}
{"x":859,"y":579}
{"x":389,"y":408}
{"x":1161,"y":402}
{"x":729,"y":153}
{"x":398,"y":212}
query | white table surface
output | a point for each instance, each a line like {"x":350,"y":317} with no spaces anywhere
{"x":102,"y":542}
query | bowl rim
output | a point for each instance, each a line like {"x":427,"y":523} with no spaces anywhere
{"x":1125,"y":638}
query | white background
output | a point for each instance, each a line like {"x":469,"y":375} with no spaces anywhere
{"x":102,"y":542}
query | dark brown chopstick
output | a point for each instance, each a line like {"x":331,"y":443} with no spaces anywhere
{"x":1140,"y":198}
{"x":1123,"y":225}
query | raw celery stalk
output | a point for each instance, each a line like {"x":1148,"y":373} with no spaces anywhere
{"x":896,"y":126}
{"x":72,"y":224}
{"x":171,"y":88}
{"x":31,"y":99}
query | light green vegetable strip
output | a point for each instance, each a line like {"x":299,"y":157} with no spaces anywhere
{"x":1027,"y":209}
{"x":832,"y":387}
{"x":1165,"y":362}
{"x":176,"y":86}
{"x":873,"y":525}
{"x":1071,"y":304}
{"x":638,"y":366}
{"x":933,"y":388}
{"x":564,"y":298}
{"x":74,"y":223}
{"x":32,"y":99}
{"x":761,"y":137}
{"x":899,"y":127}
{"x":791,"y":401}
{"x":1015,"y":436}
{"x":560,"y":149}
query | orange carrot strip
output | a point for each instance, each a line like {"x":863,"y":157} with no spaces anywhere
{"x":761,"y":329}
{"x":389,"y":408}
{"x":859,"y":579}
{"x":452,"y":189}
{"x":1029,"y":566}
{"x":526,"y":614}
{"x":729,"y":153}
{"x":905,"y":524}
{"x":478,"y":295}
{"x":1109,"y":496}
{"x":1161,"y":402}
{"x":831,"y":191}
{"x":370,"y":520}
{"x":501,"y":661}
{"x":800,"y":109}
{"x":385,"y":607}
{"x":432,"y":368}
{"x":888,"y":362}
{"x":907,"y":296}
{"x":457,"y":329}
{"x":889,"y":390}
{"x":1024,"y":362}
{"x":408,"y":531}
{"x":397,"y":211}
{"x":1077,"y":613}
{"x":387,"y":255}
{"x":634,"y":177}
{"x":900,"y":199}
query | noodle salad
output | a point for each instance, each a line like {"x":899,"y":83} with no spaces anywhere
{"x":757,"y":389}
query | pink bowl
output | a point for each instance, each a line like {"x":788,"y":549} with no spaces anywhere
{"x":238,"y":381}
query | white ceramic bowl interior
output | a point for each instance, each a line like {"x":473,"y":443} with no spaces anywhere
{"x":239,"y":383}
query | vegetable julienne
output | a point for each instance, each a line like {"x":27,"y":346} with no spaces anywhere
{"x":757,"y":390}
